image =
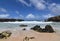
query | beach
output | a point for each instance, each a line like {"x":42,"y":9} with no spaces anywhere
{"x":38,"y":36}
{"x":19,"y":35}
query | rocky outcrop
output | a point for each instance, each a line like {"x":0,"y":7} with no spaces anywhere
{"x":10,"y":20}
{"x":54,"y":19}
{"x":5,"y":34}
{"x":23,"y":25}
{"x":48,"y":28}
{"x":37,"y":28}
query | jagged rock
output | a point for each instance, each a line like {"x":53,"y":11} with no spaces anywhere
{"x":37,"y":28}
{"x":5,"y":34}
{"x":24,"y":29}
{"x":22,"y":25}
{"x":54,"y":19}
{"x":1,"y":36}
{"x":48,"y":28}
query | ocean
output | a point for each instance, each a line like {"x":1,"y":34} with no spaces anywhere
{"x":16,"y":25}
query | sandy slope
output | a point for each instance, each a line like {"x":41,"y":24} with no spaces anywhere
{"x":20,"y":35}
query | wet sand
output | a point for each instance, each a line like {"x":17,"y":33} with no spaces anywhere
{"x":20,"y":35}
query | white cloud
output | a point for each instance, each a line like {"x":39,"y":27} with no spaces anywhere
{"x":55,"y":8}
{"x":21,"y":16}
{"x":4,"y":15}
{"x":17,"y":12}
{"x":3,"y":10}
{"x":39,"y":4}
{"x":24,"y":2}
{"x":47,"y":16}
{"x":30,"y":16}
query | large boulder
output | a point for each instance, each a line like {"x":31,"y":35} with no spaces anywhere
{"x":1,"y":36}
{"x":48,"y":28}
{"x":5,"y":34}
{"x":37,"y":28}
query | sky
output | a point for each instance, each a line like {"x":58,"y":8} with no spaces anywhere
{"x":29,"y":9}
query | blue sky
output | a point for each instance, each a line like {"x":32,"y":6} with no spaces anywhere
{"x":29,"y":9}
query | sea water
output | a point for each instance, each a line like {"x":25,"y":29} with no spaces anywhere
{"x":16,"y":25}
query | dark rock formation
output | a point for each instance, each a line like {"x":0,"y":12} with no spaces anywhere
{"x":1,"y":36}
{"x":24,"y":29}
{"x":37,"y":28}
{"x":22,"y":25}
{"x":48,"y":28}
{"x":10,"y":20}
{"x":5,"y":34}
{"x":54,"y":19}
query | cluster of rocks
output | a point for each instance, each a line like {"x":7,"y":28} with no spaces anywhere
{"x":5,"y":34}
{"x":48,"y":28}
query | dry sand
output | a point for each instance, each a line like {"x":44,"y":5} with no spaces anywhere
{"x":20,"y":35}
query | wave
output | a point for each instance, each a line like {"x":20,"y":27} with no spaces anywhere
{"x":29,"y":22}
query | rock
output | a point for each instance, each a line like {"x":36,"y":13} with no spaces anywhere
{"x":43,"y":30}
{"x":31,"y":37}
{"x":24,"y":29}
{"x":54,"y":19}
{"x":22,"y":25}
{"x":9,"y":20}
{"x":37,"y":28}
{"x":6,"y":34}
{"x":1,"y":36}
{"x":48,"y":28}
{"x":28,"y":38}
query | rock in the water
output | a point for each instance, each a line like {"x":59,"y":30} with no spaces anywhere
{"x":48,"y":28}
{"x":37,"y":28}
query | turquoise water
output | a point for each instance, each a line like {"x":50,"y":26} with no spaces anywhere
{"x":15,"y":25}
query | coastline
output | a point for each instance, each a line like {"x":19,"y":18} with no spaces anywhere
{"x":18,"y":34}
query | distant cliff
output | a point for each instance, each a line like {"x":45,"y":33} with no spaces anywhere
{"x":10,"y":20}
{"x":54,"y":19}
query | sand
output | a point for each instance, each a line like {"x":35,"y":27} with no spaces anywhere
{"x":20,"y":35}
